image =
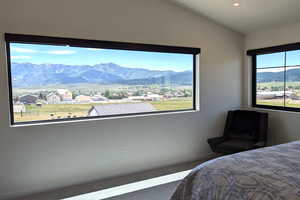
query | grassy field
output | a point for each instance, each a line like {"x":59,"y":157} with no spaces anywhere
{"x":172,"y":105}
{"x":278,"y":102}
{"x":272,"y":102}
{"x":60,"y":111}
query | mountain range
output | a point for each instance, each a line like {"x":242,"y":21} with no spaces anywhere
{"x":292,"y":75}
{"x":28,"y":75}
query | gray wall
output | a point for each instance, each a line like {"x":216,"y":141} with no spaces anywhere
{"x":284,"y":126}
{"x":41,"y":158}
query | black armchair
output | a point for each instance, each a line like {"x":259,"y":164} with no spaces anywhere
{"x":244,"y":130}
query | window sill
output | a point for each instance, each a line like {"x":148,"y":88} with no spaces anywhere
{"x":274,"y":110}
{"x":105,"y":118}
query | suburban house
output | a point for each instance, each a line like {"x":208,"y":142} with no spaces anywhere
{"x":53,"y":98}
{"x":19,"y":108}
{"x":66,"y":95}
{"x":83,"y":99}
{"x":121,"y":108}
{"x":150,"y":97}
{"x":28,"y":99}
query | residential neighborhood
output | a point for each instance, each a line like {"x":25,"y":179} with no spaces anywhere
{"x":276,"y":94}
{"x":65,"y":103}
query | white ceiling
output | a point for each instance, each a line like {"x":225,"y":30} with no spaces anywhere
{"x":250,"y":16}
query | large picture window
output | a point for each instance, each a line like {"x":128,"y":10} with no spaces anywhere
{"x":276,"y":77}
{"x":59,"y":79}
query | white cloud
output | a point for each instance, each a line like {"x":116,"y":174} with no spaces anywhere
{"x":23,"y":50}
{"x":279,"y":69}
{"x":270,"y":70}
{"x":62,"y":52}
{"x":20,"y":57}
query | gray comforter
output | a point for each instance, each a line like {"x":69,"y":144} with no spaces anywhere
{"x":271,"y":173}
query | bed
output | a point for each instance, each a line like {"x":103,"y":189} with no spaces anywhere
{"x":271,"y":173}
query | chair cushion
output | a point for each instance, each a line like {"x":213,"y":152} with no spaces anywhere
{"x":246,"y":135}
{"x":236,"y":145}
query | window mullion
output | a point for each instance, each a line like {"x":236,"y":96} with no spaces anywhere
{"x":284,"y":79}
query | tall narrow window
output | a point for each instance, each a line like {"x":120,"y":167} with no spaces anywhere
{"x":59,"y":79}
{"x":276,"y":77}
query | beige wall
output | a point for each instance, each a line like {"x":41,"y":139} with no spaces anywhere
{"x":284,"y":126}
{"x":40,"y":158}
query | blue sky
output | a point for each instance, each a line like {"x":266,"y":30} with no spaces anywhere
{"x":278,"y":59}
{"x":39,"y":54}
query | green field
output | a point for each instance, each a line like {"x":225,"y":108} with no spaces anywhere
{"x":173,"y":104}
{"x":277,"y":102}
{"x":277,"y":84}
{"x":60,"y":111}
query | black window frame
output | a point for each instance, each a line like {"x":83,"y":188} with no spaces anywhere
{"x":87,"y":43}
{"x":269,"y":50}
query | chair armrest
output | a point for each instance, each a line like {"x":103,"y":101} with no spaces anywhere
{"x":260,"y":144}
{"x":215,"y":140}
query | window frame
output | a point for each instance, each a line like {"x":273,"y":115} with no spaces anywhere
{"x":87,"y":43}
{"x":269,"y":50}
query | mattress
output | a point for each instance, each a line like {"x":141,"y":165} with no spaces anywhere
{"x":271,"y":173}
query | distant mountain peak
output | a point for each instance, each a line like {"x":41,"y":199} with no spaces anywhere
{"x":292,"y":75}
{"x":28,"y":74}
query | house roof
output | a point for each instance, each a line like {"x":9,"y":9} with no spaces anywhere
{"x":28,"y":95}
{"x":52,"y":93}
{"x":115,"y":109}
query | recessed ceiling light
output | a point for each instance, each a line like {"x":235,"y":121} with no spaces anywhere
{"x":236,"y":4}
